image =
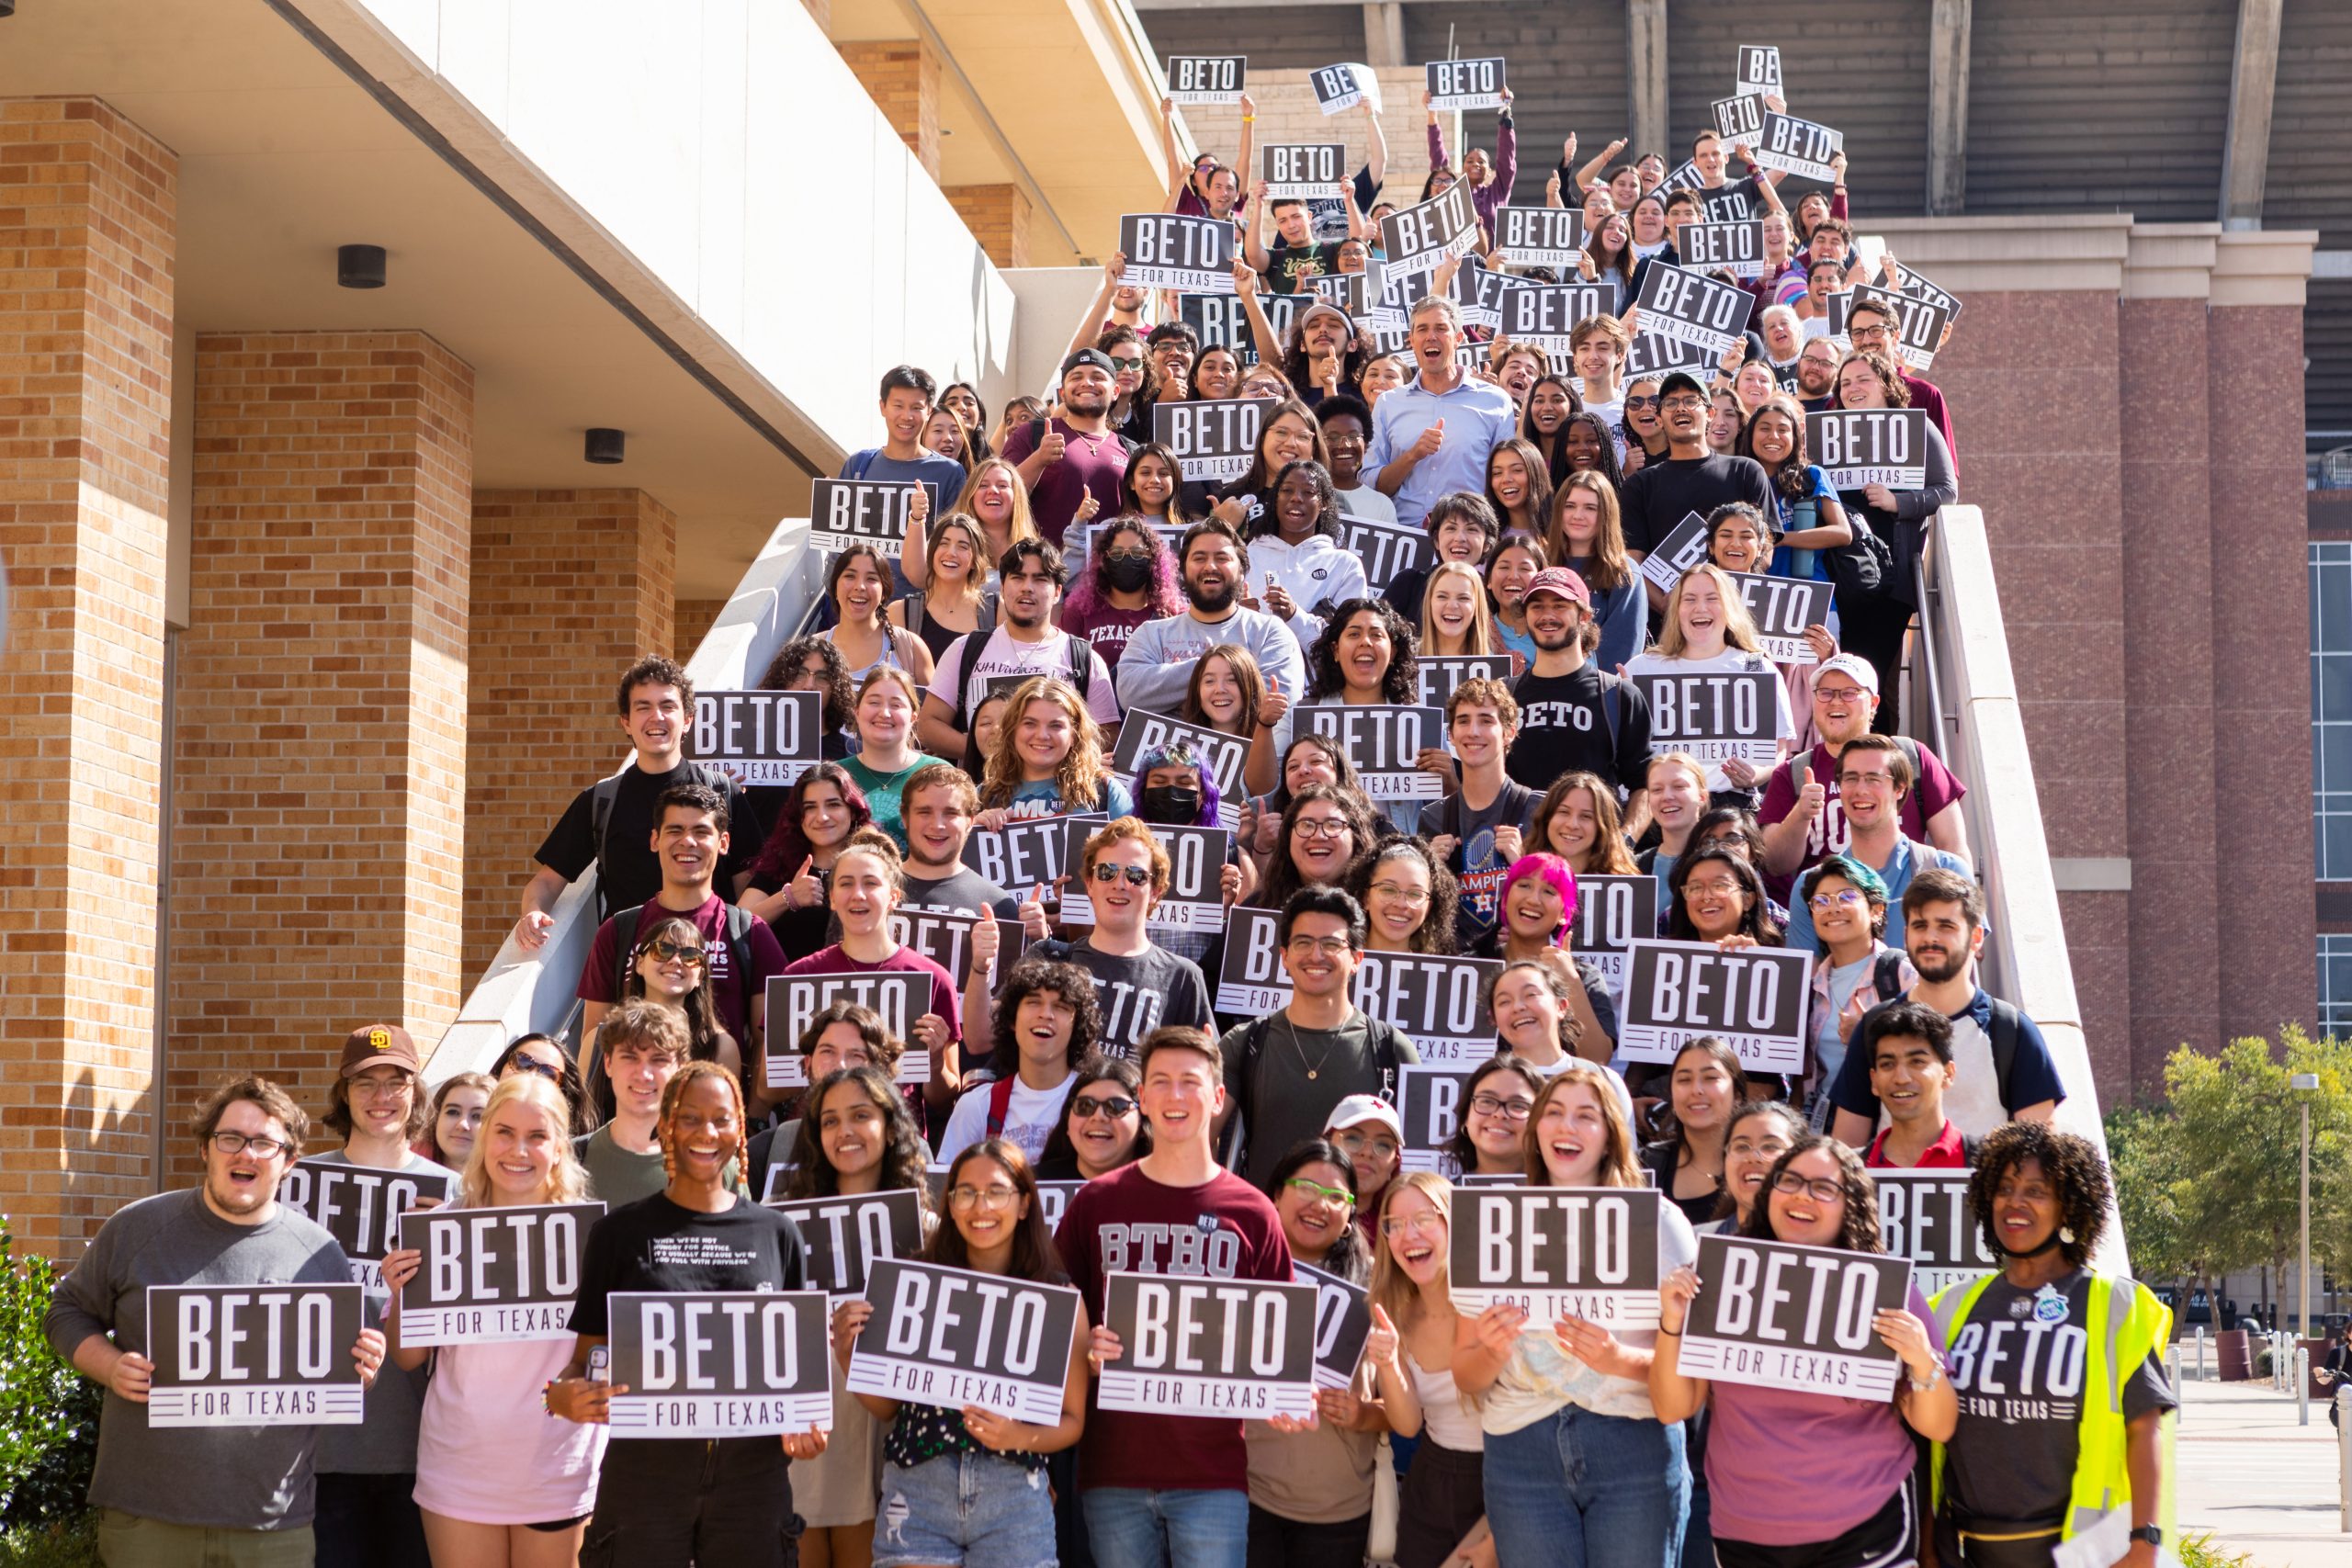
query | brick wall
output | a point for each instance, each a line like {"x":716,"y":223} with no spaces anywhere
{"x":692,"y":622}
{"x":571,"y":587}
{"x":319,"y":759}
{"x":901,"y":76}
{"x":997,"y":216}
{"x":88,"y":237}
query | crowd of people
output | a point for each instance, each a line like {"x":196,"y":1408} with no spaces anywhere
{"x":1070,"y":578}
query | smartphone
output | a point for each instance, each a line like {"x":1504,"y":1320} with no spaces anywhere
{"x":600,"y":1363}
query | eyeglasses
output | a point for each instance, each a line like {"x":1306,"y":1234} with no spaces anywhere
{"x":238,"y":1143}
{"x":1428,"y":1220}
{"x":1837,"y":694}
{"x":382,"y":1089}
{"x":1329,"y":946}
{"x":547,"y":1070}
{"x":1313,"y":1191}
{"x":1130,"y":554}
{"x":669,"y":951}
{"x":1400,"y":893}
{"x":1746,"y":1148}
{"x":1858,"y":335}
{"x":1822,"y":1189}
{"x":1322,"y":828}
{"x":1650,"y":402}
{"x":1847,"y":781}
{"x":1137,"y":876}
{"x":997,"y":1195}
{"x":1829,"y":900}
{"x":1683,"y":402}
{"x":1364,"y":1142}
{"x":1514,"y":1109}
{"x":1112,"y":1105}
{"x":1720,"y":887}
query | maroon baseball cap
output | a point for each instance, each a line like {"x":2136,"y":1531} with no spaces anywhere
{"x":378,"y":1044}
{"x":1559,"y":580}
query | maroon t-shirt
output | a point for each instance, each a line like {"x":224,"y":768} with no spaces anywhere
{"x":833,"y":961}
{"x":1127,"y":1223}
{"x":1089,"y":463}
{"x":1934,"y":789}
{"x":730,"y":993}
{"x":1106,"y":628}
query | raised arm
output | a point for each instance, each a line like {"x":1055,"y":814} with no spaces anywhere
{"x":1262,"y":330}
{"x":1248,"y":138}
{"x":1177,"y":173}
{"x":1375,"y":160}
{"x":1252,"y":250}
{"x":1090,"y":326}
{"x":1592,"y":171}
{"x":1436,"y":139}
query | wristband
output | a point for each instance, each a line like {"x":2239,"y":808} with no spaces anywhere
{"x":1248,"y":119}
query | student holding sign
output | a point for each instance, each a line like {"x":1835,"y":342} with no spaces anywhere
{"x":1365,"y":657}
{"x":642,"y":1045}
{"x":1490,"y":179}
{"x":967,"y":1483}
{"x":671,"y":1502}
{"x":1809,"y":520}
{"x":1868,"y":379}
{"x":1295,"y":549}
{"x":186,"y":1493}
{"x":1689,"y":477}
{"x":1859,"y":1503}
{"x":1708,"y":632}
{"x":1802,"y":816}
{"x":1580,"y":1473}
{"x":1870,"y":326}
{"x":496,"y":1480}
{"x":2065,"y":1452}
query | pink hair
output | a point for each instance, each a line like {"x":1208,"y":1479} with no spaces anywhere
{"x":1560,"y":875}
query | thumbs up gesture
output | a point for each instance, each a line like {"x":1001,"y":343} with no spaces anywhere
{"x":1033,"y":915}
{"x":1811,"y":796}
{"x":1274,"y":705}
{"x":806,"y":891}
{"x":1380,"y":1345}
{"x":917,"y":505}
{"x":1430,"y":440}
{"x":1087,"y":506}
{"x":1051,"y":447}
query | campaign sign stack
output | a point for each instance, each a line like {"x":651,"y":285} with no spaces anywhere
{"x":254,"y":1355}
{"x":1774,"y":1314}
{"x":845,"y":1237}
{"x":758,"y":737}
{"x":1754,"y":999}
{"x":1201,"y":1346}
{"x":494,"y":1275}
{"x":361,"y":1207}
{"x":720,"y":1363}
{"x":951,"y":1338}
{"x":1923,"y":1216}
{"x":1555,"y":1252}
{"x":898,"y":999}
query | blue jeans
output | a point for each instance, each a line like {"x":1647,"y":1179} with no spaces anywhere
{"x":1130,"y":1527}
{"x":978,"y":1510}
{"x":1577,"y":1490}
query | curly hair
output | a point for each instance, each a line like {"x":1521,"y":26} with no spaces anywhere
{"x":906,"y":1159}
{"x":1609,"y":856}
{"x":1162,"y":598}
{"x":1858,"y":1221}
{"x":1083,"y":772}
{"x":1436,"y":931}
{"x":1038,"y":976}
{"x":1246,"y":674}
{"x":1282,"y":877}
{"x":837,"y":712}
{"x":1268,"y":522}
{"x":1400,"y":684}
{"x":1755,"y":920}
{"x":686,"y":1076}
{"x":788,"y":844}
{"x":2069,"y":1163}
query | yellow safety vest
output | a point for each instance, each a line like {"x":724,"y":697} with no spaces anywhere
{"x":2127,"y":1323}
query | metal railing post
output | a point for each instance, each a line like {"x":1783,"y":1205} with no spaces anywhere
{"x":2344,"y":1457}
{"x":2302,"y":1386}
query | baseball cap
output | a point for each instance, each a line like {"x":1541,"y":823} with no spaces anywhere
{"x":376,"y":1045}
{"x":1852,"y":664}
{"x":1559,"y":580}
{"x":1094,"y":356}
{"x":1679,"y":380}
{"x":1323,"y":304}
{"x":1358,"y":1109}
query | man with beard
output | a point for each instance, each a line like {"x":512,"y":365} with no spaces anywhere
{"x":1433,"y":437}
{"x":2002,"y":1067}
{"x":1158,"y":665}
{"x":1874,"y":779}
{"x":1689,"y":478}
{"x":1817,"y":376}
{"x":1074,"y":454}
{"x":1573,"y":715}
{"x":1026,"y":642}
{"x":1324,"y":356}
{"x":201,"y":1494}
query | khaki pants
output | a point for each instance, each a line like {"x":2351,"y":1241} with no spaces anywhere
{"x":127,"y":1541}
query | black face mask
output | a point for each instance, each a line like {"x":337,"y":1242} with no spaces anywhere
{"x":1173,"y":805}
{"x":1130,"y":572}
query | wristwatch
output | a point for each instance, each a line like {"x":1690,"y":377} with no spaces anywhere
{"x":2152,"y":1534}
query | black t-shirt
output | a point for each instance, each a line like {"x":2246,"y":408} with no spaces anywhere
{"x":1734,"y":201}
{"x":636,"y":872}
{"x":654,"y":1245}
{"x":1137,"y":995}
{"x":1653,"y":501}
{"x":1564,"y":729}
{"x":2019,"y":1365}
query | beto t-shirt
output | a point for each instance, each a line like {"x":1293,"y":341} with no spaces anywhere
{"x":1137,"y":995}
{"x":1564,"y":729}
{"x":571,"y":846}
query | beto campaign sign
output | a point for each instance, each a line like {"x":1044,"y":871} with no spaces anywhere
{"x":845,"y":1237}
{"x":720,"y":1363}
{"x":1442,"y":673}
{"x":494,"y":1275}
{"x":1206,"y":78}
{"x":1387,"y":549}
{"x":1024,"y":854}
{"x":1736,"y":248}
{"x":1613,"y":912}
{"x":1589,"y":1252}
{"x":1214,"y":438}
{"x":897,"y":999}
{"x":1754,"y":999}
{"x":254,"y":1355}
{"x":1860,"y":448}
{"x":1343,"y":86}
{"x":1540,"y":236}
{"x":1774,"y":1314}
{"x":1919,"y":321}
{"x":1737,"y":120}
{"x":1195,"y":897}
{"x":1760,"y":70}
{"x":1300,"y":171}
{"x":1343,"y":1321}
{"x":758,"y":737}
{"x":1545,"y":313}
{"x":1421,"y":237}
{"x":1456,"y":84}
{"x":1432,"y":1100}
{"x":1166,"y":250}
{"x":1221,"y":756}
{"x":1715,"y":714}
{"x":843,"y":513}
{"x":946,"y":940}
{"x":360,"y":1206}
{"x":1691,"y":307}
{"x":1684,"y":547}
{"x":951,"y":1338}
{"x":1923,"y":1216}
{"x":1782,"y":607}
{"x":1206,"y":1347}
{"x":1223,"y":319}
{"x":1384,"y":741}
{"x":1797,"y":147}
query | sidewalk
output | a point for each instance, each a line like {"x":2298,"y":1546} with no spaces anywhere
{"x":2254,"y":1480}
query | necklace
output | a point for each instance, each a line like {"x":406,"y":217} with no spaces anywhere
{"x":1299,"y":1045}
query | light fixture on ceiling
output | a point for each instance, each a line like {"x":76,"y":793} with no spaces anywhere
{"x":355,"y":266}
{"x":605,"y":445}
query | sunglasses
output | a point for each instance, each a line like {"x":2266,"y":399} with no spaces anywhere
{"x":526,"y":1064}
{"x":1137,"y":876}
{"x":669,"y":951}
{"x":1641,"y":402}
{"x":1113,"y":1106}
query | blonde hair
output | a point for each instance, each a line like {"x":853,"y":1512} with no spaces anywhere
{"x":1020,"y":525}
{"x":890,"y":674}
{"x":1080,"y":776}
{"x":1739,"y":627}
{"x":566,"y":1183}
{"x":1620,"y":1166}
{"x":1481,"y":635}
{"x":1390,"y":1290}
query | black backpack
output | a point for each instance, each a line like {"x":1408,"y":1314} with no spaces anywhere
{"x":1865,"y":569}
{"x":608,"y":790}
{"x":1384,"y":1037}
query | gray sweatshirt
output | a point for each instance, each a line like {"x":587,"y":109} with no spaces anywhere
{"x":254,"y":1478}
{"x":1157,"y":664}
{"x":384,"y":1444}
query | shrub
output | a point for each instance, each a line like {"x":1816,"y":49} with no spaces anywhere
{"x":49,"y":1412}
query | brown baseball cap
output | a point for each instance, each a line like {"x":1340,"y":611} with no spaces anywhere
{"x":378,"y":1044}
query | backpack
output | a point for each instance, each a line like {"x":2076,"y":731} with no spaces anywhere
{"x":1886,"y":979}
{"x":983,"y":617}
{"x":608,"y":790}
{"x":739,"y":921}
{"x":1863,"y":570}
{"x":1384,"y":1037}
{"x":1079,"y":671}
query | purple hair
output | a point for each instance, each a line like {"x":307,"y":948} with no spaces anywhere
{"x":1180,"y":754}
{"x":1091,"y":591}
{"x":1563,"y":878}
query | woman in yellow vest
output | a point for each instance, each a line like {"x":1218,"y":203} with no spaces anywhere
{"x":2058,"y":1459}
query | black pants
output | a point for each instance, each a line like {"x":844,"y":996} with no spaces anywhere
{"x":1439,"y":1498}
{"x":369,"y":1521}
{"x":671,"y":1502}
{"x":1888,"y":1539}
{"x":1278,"y":1542}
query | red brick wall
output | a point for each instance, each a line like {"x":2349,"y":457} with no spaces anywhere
{"x":320,"y":728}
{"x":571,"y":587}
{"x":901,"y":76}
{"x":88,"y":236}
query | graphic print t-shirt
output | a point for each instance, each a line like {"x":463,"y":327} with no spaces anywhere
{"x":655,"y":1245}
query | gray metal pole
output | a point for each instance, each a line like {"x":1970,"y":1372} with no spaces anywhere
{"x":2304,"y":1281}
{"x":2344,"y":1457}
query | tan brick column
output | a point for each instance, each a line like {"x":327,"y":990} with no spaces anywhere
{"x":695,"y":619}
{"x":997,"y":216}
{"x":87,"y":246}
{"x":901,"y":76}
{"x":319,"y":756}
{"x":571,"y":587}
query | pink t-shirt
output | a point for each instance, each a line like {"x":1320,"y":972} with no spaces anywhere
{"x":487,"y":1453}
